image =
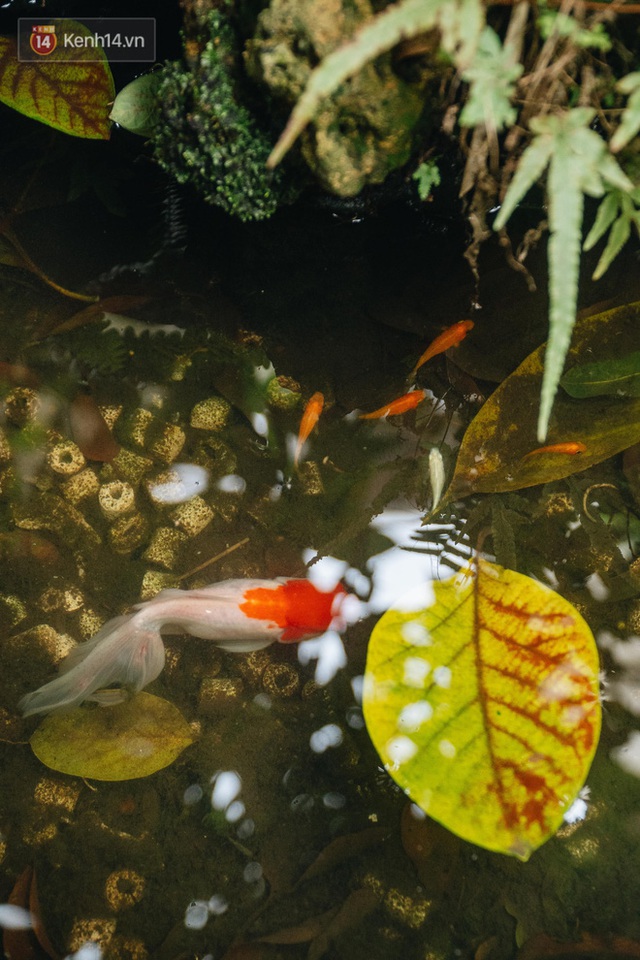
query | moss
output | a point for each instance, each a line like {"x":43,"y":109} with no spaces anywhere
{"x":208,"y":137}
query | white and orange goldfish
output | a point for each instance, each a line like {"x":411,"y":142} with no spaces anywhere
{"x":238,"y":615}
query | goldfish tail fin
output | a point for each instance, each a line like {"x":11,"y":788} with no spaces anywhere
{"x":127,"y":650}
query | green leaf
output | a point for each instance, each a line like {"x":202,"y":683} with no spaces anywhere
{"x":616,"y":377}
{"x":617,"y":211}
{"x":492,"y":75}
{"x":630,"y":122}
{"x":493,"y":454}
{"x":136,"y":106}
{"x":555,"y":22}
{"x":460,"y":23}
{"x":427,"y":175}
{"x":619,"y":235}
{"x":121,"y":742}
{"x":482,"y":701}
{"x":579,"y":163}
{"x":607,"y":213}
{"x":529,"y":170}
{"x":565,"y":221}
{"x":71,"y":97}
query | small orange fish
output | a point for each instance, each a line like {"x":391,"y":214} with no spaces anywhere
{"x":451,"y":337}
{"x":408,"y":401}
{"x":310,"y":417}
{"x":570,"y":448}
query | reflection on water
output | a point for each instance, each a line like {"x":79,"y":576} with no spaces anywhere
{"x":277,"y":832}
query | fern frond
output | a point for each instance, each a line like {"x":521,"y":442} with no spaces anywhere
{"x":630,"y":123}
{"x":617,"y":211}
{"x":460,"y":22}
{"x":531,"y":167}
{"x":579,"y":163}
{"x":619,"y":235}
{"x":607,"y":213}
{"x":492,"y":76}
{"x":566,"y":202}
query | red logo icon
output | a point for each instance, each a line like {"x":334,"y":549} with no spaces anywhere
{"x":43,"y":39}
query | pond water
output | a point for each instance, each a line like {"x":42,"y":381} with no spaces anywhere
{"x":277,"y":833}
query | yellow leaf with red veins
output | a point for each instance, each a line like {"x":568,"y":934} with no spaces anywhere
{"x":75,"y":98}
{"x":481,"y":697}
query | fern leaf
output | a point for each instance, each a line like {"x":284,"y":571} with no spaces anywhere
{"x":463,"y":35}
{"x":529,"y":170}
{"x":607,"y":213}
{"x":460,"y":22}
{"x":579,"y":163}
{"x":492,"y":76}
{"x":619,"y":235}
{"x":630,"y":123}
{"x":566,"y":202}
{"x":611,"y":171}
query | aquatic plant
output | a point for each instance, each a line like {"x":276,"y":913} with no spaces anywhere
{"x":208,"y":137}
{"x":526,"y":80}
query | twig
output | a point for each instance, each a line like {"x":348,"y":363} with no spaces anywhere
{"x":219,"y":556}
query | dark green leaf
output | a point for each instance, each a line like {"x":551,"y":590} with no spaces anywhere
{"x":617,"y":377}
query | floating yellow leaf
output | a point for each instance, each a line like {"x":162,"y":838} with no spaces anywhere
{"x":73,"y":97}
{"x":482,"y":701}
{"x":129,"y":740}
{"x":493,"y":455}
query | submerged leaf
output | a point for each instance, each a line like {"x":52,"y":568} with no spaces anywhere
{"x":493,"y":455}
{"x":483,"y":705}
{"x":618,"y":377}
{"x":123,"y":742}
{"x":71,"y":97}
{"x":136,"y":107}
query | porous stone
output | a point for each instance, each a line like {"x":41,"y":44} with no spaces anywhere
{"x":123,"y":889}
{"x":219,"y":694}
{"x":280,"y":680}
{"x":5,"y":448}
{"x":169,"y":443}
{"x":136,"y":427}
{"x":216,"y":456}
{"x":12,"y":609}
{"x":96,"y":930}
{"x":128,"y":533}
{"x":283,"y":393}
{"x":210,"y":414}
{"x":81,"y":486}
{"x":55,"y":793}
{"x":154,"y":581}
{"x":110,"y":414}
{"x":21,"y":406}
{"x":166,"y":547}
{"x":193,"y":516}
{"x":116,"y":499}
{"x":61,"y":598}
{"x":131,"y":466}
{"x":310,"y":478}
{"x":66,"y":458}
